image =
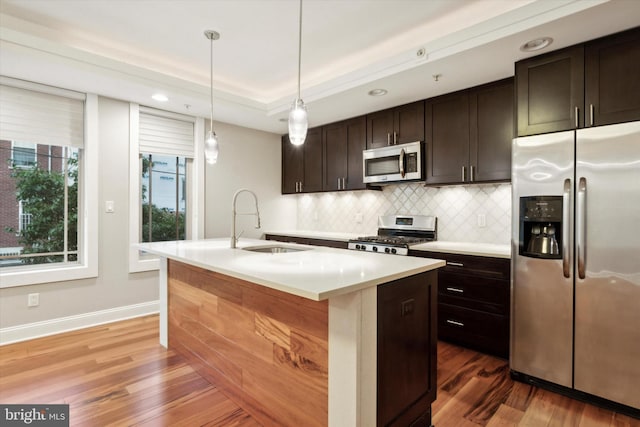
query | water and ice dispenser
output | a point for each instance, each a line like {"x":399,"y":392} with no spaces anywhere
{"x":541,"y":227}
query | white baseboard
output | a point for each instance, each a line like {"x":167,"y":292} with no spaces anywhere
{"x":71,"y":323}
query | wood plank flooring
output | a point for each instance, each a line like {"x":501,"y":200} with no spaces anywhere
{"x":118,"y":375}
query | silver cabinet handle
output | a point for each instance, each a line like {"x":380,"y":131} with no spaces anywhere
{"x":566,"y":218}
{"x":297,"y":191}
{"x":455,"y":322}
{"x":577,"y":114}
{"x":395,"y":138}
{"x":581,"y":227}
{"x":388,"y":138}
{"x":344,"y":183}
{"x":463,"y":173}
{"x":458,"y":290}
{"x":456,"y":264}
{"x":401,"y":159}
{"x":472,"y":178}
{"x":301,"y":186}
{"x":591,"y":114}
{"x":338,"y":183}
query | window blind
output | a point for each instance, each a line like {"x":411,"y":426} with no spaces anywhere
{"x":160,"y":134}
{"x":40,"y":118}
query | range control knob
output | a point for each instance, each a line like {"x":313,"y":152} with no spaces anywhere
{"x":387,"y":250}
{"x":375,"y":249}
{"x":394,"y":251}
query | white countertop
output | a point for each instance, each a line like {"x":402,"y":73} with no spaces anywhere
{"x":322,"y":235}
{"x":464,"y":248}
{"x":318,"y":273}
{"x":479,"y":249}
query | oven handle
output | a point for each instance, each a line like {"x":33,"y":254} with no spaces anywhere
{"x":401,"y":161}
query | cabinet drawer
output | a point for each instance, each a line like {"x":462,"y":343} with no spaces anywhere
{"x":472,"y":265}
{"x":479,"y":293}
{"x":475,"y":329}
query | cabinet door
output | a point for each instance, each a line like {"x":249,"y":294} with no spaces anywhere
{"x":447,"y":123}
{"x":356,"y":143}
{"x":379,"y":128}
{"x":292,"y":165}
{"x":406,"y":347}
{"x":312,"y":161}
{"x":612,"y":79}
{"x":491,"y":131}
{"x":408,"y":123}
{"x":549,"y":89}
{"x":335,"y":155}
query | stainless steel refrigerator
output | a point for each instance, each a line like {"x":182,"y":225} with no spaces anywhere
{"x":575,"y":308}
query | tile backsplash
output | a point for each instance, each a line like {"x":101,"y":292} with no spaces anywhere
{"x":460,"y":210}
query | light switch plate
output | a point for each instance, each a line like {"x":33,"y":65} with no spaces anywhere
{"x":109,"y":206}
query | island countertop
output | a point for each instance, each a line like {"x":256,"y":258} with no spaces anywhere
{"x":317,"y":273}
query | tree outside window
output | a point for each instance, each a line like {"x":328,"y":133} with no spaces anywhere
{"x":163,"y":198}
{"x":44,"y":227}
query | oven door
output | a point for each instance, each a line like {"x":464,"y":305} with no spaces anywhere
{"x":393,"y":163}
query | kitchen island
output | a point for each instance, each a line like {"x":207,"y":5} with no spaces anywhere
{"x":307,"y":337}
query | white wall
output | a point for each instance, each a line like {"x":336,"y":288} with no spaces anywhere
{"x":248,"y":159}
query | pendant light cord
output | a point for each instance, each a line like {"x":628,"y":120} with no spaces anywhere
{"x":299,"y":47}
{"x":211,"y":81}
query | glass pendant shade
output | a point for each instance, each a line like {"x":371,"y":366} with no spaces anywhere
{"x":211,"y":147}
{"x":298,"y":122}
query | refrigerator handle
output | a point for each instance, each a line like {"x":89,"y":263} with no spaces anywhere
{"x":566,"y":218}
{"x":581,"y":226}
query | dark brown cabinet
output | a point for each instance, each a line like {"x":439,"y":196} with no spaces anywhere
{"x":302,"y":165}
{"x":474,"y":301}
{"x":469,"y":135}
{"x":590,"y":84}
{"x":398,"y":125}
{"x":407,"y":347}
{"x":343,"y":145}
{"x":612,"y":79}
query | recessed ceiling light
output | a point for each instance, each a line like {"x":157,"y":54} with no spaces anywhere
{"x":160,"y":97}
{"x":377,"y":92}
{"x":536,"y":44}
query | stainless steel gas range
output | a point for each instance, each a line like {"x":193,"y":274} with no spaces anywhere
{"x":396,"y":233}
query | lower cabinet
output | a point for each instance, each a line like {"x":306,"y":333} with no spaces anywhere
{"x":474,"y":301}
{"x":407,"y":348}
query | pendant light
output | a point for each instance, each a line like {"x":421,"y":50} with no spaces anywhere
{"x":298,"y":121}
{"x":211,"y":142}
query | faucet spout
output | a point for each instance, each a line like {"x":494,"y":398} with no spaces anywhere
{"x":234,"y":214}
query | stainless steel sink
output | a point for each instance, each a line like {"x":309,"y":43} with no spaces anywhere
{"x":274,"y":249}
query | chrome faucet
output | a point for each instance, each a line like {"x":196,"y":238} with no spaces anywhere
{"x":234,"y":238}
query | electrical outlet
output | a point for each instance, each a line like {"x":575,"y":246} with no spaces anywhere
{"x":33,"y":300}
{"x":482,"y":220}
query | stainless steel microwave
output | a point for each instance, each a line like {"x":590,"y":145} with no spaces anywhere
{"x":394,"y":163}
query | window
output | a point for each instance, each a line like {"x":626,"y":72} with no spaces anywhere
{"x":164,"y":199}
{"x":23,"y":154}
{"x":46,"y":203}
{"x":164,"y":180}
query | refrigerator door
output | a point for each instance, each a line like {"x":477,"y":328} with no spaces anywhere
{"x":542,"y":289}
{"x":607,"y":310}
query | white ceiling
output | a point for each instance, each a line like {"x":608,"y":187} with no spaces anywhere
{"x":131,"y":49}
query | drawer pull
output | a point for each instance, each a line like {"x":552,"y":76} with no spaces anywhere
{"x":458,"y":290}
{"x":454,"y":322}
{"x":456,"y":264}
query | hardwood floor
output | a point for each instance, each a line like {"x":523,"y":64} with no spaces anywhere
{"x":118,"y":375}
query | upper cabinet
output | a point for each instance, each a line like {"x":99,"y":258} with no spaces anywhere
{"x":302,"y":164}
{"x":589,"y":84}
{"x":343,"y":145}
{"x":397,"y":125}
{"x":469,"y":135}
{"x":612,"y":79}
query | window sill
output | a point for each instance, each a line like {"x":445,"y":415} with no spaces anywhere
{"x":46,"y":274}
